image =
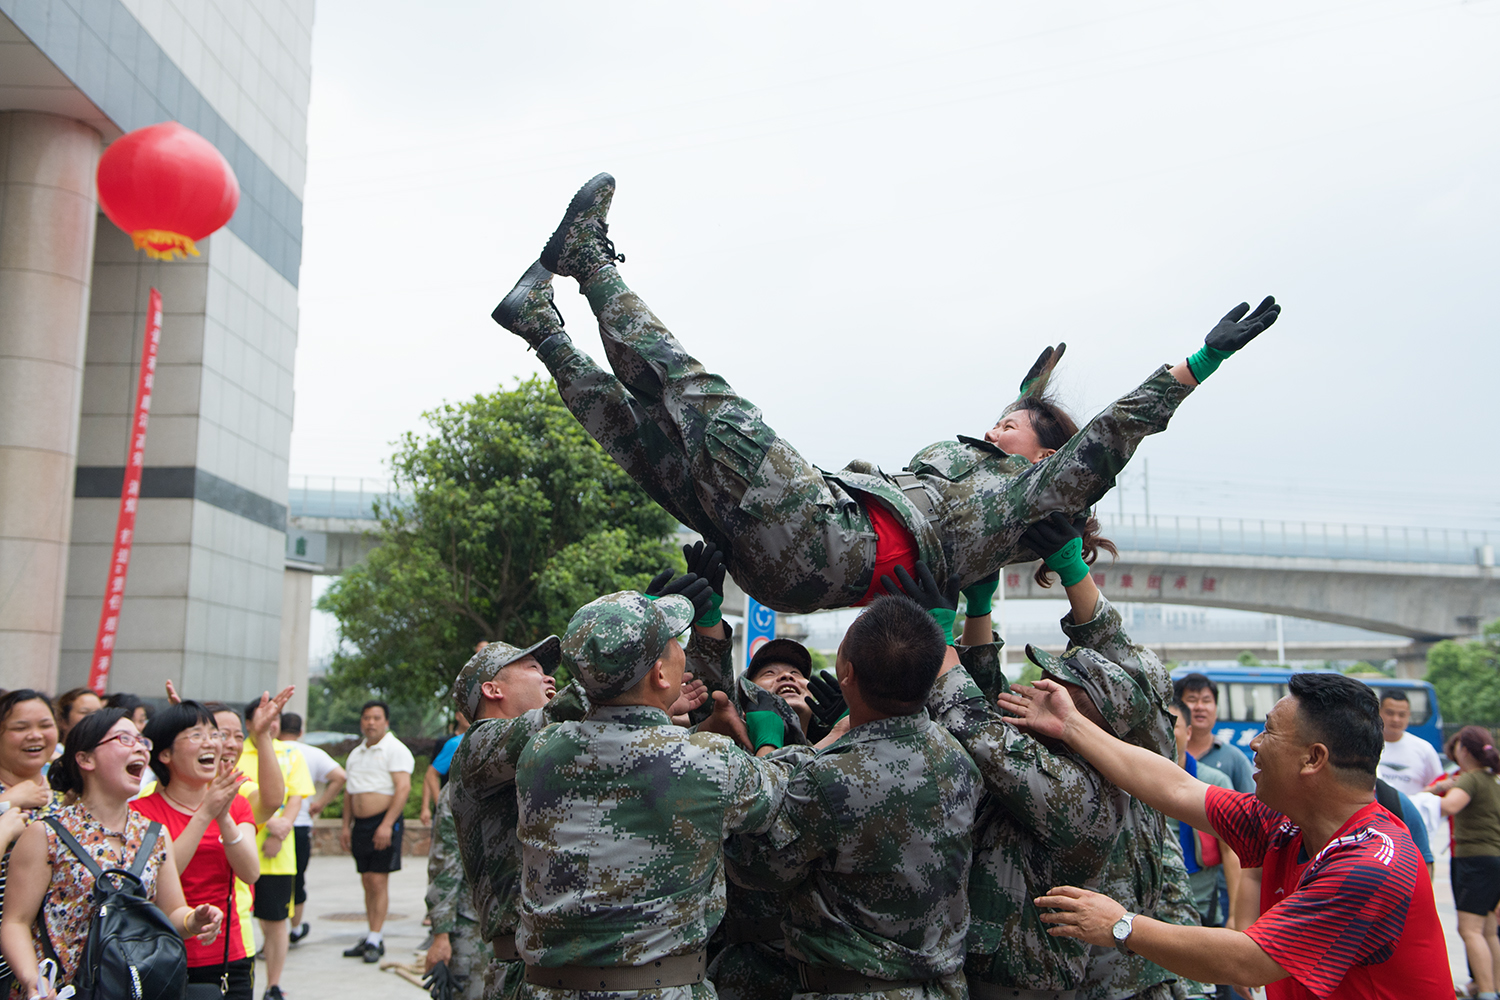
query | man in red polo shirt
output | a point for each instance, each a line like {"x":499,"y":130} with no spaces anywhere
{"x":1346,"y":907}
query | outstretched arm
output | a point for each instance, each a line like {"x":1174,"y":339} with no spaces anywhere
{"x":1047,"y":710}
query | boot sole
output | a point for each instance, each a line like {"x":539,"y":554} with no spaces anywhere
{"x":552,"y":252}
{"x":509,"y":308}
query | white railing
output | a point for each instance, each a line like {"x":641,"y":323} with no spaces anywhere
{"x":350,"y":497}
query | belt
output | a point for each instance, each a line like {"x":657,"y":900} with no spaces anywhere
{"x":917,"y":494}
{"x":822,"y":979}
{"x":504,"y":948}
{"x":980,"y":990}
{"x":674,"y":970}
{"x":744,"y":930}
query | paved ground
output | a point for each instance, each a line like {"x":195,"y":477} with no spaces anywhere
{"x":316,"y":969}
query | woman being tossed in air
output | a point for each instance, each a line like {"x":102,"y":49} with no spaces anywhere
{"x":798,"y":538}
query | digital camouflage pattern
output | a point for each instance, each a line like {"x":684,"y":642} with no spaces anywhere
{"x":613,"y":640}
{"x":450,"y":904}
{"x":621,"y":820}
{"x":751,"y":961}
{"x":1144,"y":870}
{"x":1046,"y":819}
{"x":800,"y":539}
{"x":489,"y":661}
{"x":482,"y":793}
{"x":874,"y":845}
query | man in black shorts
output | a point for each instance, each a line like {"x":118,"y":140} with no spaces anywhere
{"x":377,"y":784}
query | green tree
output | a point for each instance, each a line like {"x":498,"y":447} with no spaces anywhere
{"x":1466,"y":676}
{"x":508,"y":518}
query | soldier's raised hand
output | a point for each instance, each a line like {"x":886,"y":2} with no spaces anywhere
{"x":725,"y":720}
{"x":1044,"y":708}
{"x":690,"y":585}
{"x":940,"y":602}
{"x":706,"y":560}
{"x":1230,"y":334}
{"x":827,"y":704}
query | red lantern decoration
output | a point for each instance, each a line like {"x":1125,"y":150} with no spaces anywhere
{"x":168,"y":187}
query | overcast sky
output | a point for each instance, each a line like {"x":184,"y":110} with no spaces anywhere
{"x":871,"y":217}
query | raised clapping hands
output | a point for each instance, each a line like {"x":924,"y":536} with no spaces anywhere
{"x":222,"y":790}
{"x":1044,"y":708}
{"x":268,"y":712}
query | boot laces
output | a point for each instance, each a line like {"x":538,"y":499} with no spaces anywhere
{"x":609,"y":244}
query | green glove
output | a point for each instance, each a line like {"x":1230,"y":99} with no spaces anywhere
{"x":980,"y":594}
{"x":713,"y":615}
{"x":944,"y":617}
{"x":765,"y":729}
{"x":1206,"y":361}
{"x":1234,"y":331}
{"x":941,"y":602}
{"x":1067,"y":562}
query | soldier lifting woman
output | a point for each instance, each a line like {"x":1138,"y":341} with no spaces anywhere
{"x":800,"y":539}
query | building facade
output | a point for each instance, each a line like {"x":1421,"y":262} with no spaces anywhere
{"x":207,"y":580}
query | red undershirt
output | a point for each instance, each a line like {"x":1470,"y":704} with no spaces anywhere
{"x":895,"y":545}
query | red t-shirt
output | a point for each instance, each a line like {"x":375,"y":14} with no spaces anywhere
{"x":895,"y":545}
{"x":1358,"y":920}
{"x":207,"y":877}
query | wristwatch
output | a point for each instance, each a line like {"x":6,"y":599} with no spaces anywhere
{"x":1121,"y":932}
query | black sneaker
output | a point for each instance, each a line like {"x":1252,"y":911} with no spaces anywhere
{"x":273,"y":993}
{"x":299,"y":933}
{"x":358,"y":951}
{"x":373,"y":952}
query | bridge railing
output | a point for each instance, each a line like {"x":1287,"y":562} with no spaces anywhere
{"x":351,"y":497}
{"x":1313,"y":539}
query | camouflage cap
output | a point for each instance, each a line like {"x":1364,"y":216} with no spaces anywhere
{"x":1114,"y":692}
{"x":612,"y":641}
{"x":489,"y":661}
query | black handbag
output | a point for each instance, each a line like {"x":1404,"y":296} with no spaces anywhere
{"x":219,"y":990}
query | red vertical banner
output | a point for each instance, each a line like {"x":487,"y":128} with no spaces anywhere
{"x":130,"y":495}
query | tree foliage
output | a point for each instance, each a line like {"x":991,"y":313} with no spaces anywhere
{"x":1466,"y":676}
{"x":509,"y":517}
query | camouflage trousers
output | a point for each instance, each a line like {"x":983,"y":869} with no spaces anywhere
{"x":504,"y":980}
{"x":698,"y":991}
{"x":796,"y":541}
{"x":950,"y":987}
{"x":753,"y":970}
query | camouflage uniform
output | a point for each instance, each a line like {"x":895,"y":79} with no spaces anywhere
{"x":875,"y":846}
{"x":450,"y":904}
{"x":483,"y":799}
{"x":622,"y":815}
{"x":1048,"y":818}
{"x":751,"y":961}
{"x":800,"y":539}
{"x":1144,"y":871}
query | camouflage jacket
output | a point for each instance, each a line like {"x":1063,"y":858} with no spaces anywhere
{"x":1144,"y":870}
{"x":448,"y":895}
{"x":875,"y":844}
{"x":483,"y":798}
{"x":985,"y":498}
{"x":1047,"y":818}
{"x":622,"y":819}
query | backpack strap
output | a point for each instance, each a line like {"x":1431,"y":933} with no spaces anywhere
{"x":143,"y":853}
{"x":75,"y":847}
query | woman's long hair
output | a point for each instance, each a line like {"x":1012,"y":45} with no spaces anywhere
{"x":1054,"y":428}
{"x":1480,"y":743}
{"x":64,"y":775}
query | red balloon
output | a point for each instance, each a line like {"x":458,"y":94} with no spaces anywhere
{"x":168,"y":187}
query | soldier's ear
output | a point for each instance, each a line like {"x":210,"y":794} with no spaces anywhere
{"x":491,"y":689}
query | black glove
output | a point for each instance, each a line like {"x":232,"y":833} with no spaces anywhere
{"x":1236,"y":329}
{"x":689,"y":585}
{"x":1058,"y":539}
{"x":827,"y":705}
{"x":1035,"y":382}
{"x":705,"y":560}
{"x":439,"y":982}
{"x":763,"y":722}
{"x":941,"y":603}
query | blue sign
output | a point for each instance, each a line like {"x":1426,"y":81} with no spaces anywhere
{"x":760,"y":626}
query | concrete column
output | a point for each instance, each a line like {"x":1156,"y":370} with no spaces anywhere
{"x":296,"y":636}
{"x":47,"y":211}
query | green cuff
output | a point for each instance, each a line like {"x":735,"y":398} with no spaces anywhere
{"x":981,"y":596}
{"x":765,"y":729}
{"x":1067,"y":562}
{"x":713,"y":615}
{"x":944,"y":617}
{"x":1206,"y":361}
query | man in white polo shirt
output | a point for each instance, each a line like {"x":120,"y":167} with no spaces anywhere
{"x":378,"y":781}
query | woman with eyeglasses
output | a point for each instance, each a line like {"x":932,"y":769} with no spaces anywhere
{"x":47,"y":906}
{"x":212,"y":829}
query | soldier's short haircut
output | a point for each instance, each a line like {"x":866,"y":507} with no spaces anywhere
{"x":1393,"y":694}
{"x":1342,"y":714}
{"x":895,"y":649}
